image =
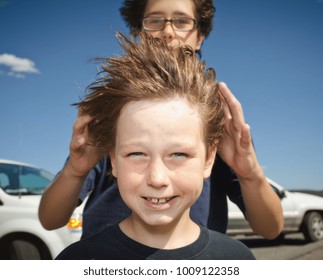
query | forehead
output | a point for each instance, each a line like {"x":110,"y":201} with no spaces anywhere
{"x":146,"y":116}
{"x":169,"y":8}
{"x":170,"y":107}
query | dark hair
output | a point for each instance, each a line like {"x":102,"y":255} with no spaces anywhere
{"x":132,"y":12}
{"x":151,"y":70}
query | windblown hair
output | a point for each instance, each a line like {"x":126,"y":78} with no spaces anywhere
{"x":132,"y":12}
{"x":151,"y":70}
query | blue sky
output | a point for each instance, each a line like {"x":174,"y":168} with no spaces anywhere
{"x":269,"y":52}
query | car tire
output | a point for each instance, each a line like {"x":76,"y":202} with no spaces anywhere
{"x":312,"y":226}
{"x":280,"y":238}
{"x":26,"y":248}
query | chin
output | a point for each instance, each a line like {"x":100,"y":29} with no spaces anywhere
{"x":159,"y":221}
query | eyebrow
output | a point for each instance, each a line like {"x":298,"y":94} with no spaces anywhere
{"x":126,"y":146}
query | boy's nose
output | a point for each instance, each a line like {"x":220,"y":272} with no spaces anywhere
{"x":157,"y":176}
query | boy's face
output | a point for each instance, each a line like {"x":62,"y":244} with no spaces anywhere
{"x":174,"y":9}
{"x":160,"y":160}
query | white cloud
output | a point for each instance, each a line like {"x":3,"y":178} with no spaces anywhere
{"x":18,"y":66}
{"x":16,"y":75}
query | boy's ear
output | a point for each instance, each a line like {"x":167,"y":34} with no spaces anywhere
{"x":210,"y":160}
{"x":113,"y":163}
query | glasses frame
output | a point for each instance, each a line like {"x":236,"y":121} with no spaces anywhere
{"x":171,"y":22}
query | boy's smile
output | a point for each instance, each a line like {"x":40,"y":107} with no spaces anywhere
{"x":158,"y":200}
{"x":160,"y":203}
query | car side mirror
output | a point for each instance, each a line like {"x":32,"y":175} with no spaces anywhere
{"x":281,"y":194}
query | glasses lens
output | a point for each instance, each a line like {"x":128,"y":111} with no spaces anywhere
{"x":183,"y":24}
{"x":153,"y":23}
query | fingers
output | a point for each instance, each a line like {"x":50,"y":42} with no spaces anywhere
{"x":80,"y":125}
{"x":245,"y":140}
{"x":233,"y":109}
{"x":235,"y":126}
{"x":80,"y":131}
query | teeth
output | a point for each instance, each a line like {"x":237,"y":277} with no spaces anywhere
{"x":162,"y":200}
{"x":159,"y":200}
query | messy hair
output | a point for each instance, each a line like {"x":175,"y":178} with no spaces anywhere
{"x":132,"y":12}
{"x":151,"y":70}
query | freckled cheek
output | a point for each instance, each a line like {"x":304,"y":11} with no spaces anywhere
{"x":129,"y":188}
{"x":190,"y":184}
{"x":130,"y":180}
{"x":129,"y":171}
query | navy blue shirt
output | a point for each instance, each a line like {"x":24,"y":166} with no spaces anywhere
{"x":113,"y":244}
{"x":105,"y":206}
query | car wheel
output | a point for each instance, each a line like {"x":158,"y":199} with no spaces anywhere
{"x":23,"y":249}
{"x":312,"y":227}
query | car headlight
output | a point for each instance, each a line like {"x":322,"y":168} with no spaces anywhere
{"x":75,"y":222}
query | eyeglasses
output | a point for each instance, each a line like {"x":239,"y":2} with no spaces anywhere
{"x":178,"y":24}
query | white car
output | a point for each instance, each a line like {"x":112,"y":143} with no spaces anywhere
{"x":302,"y":213}
{"x":21,"y":234}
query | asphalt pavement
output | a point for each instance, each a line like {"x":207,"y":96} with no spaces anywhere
{"x":293,"y":247}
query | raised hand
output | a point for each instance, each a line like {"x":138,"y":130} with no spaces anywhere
{"x":83,"y":153}
{"x":236,"y":147}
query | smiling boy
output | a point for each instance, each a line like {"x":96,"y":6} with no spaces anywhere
{"x":160,"y":163}
{"x":159,"y":116}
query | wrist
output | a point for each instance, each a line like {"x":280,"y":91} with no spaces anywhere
{"x":254,"y":176}
{"x":70,"y":172}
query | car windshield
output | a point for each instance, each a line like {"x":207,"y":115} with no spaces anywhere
{"x":18,"y":179}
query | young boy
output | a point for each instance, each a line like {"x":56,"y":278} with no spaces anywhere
{"x":159,"y":115}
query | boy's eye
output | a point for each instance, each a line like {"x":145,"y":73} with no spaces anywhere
{"x":181,"y":21}
{"x":136,"y":154}
{"x":179,"y":155}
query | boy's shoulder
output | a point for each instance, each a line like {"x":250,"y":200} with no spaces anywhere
{"x":221,"y":246}
{"x":210,"y":245}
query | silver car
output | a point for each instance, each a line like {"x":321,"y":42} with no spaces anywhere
{"x":302,"y":213}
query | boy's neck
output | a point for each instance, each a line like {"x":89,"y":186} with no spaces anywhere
{"x":171,"y":236}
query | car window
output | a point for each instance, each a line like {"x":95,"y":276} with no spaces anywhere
{"x":4,"y":180}
{"x":23,"y":180}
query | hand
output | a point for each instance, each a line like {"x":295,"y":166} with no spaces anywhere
{"x":83,"y":154}
{"x":236,"y":147}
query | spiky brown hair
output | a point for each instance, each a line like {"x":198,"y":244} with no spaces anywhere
{"x":151,"y":70}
